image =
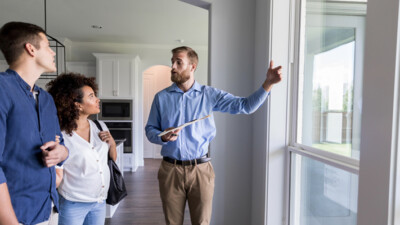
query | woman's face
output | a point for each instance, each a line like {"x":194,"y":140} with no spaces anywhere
{"x":90,"y":103}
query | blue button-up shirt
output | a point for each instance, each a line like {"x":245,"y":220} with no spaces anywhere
{"x":172,"y":107}
{"x":24,"y":127}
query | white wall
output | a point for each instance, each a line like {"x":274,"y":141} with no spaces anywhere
{"x":85,"y":68}
{"x":149,"y":55}
{"x":3,"y":65}
{"x":231,"y":69}
{"x":270,"y":129}
{"x":250,"y":173}
{"x":260,"y":121}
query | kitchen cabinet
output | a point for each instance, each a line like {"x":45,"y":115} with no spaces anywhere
{"x":115,"y":75}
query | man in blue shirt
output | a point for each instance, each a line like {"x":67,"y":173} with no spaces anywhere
{"x":28,"y":129}
{"x":186,"y":173}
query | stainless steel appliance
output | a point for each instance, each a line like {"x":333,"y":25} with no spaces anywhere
{"x":114,"y":109}
{"x":121,"y":130}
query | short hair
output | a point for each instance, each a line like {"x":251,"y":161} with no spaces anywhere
{"x":14,"y":36}
{"x":192,"y":55}
{"x":66,"y":89}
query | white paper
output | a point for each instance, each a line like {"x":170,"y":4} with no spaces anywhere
{"x":183,"y":125}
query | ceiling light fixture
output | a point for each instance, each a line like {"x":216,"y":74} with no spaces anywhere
{"x":58,"y":48}
{"x":180,"y":41}
{"x":97,"y":27}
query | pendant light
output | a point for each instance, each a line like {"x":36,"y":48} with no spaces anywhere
{"x":58,"y":48}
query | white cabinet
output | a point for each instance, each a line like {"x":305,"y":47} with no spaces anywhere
{"x":118,"y":78}
{"x":115,"y":75}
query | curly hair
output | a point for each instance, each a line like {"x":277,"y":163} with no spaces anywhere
{"x":66,"y":89}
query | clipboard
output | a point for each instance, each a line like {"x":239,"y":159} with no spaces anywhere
{"x":183,"y":125}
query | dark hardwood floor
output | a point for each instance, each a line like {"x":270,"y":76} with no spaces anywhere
{"x":143,"y":203}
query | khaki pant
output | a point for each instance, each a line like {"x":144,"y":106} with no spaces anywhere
{"x":194,"y":183}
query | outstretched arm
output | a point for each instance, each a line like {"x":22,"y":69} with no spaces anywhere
{"x":274,"y":75}
{"x":226,"y":102}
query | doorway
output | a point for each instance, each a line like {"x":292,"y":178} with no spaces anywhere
{"x":155,"y":79}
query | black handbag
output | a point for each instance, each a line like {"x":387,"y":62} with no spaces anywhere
{"x":117,"y":190}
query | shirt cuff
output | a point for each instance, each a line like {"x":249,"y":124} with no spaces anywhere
{"x":161,"y":141}
{"x":262,"y":91}
{"x":2,"y":176}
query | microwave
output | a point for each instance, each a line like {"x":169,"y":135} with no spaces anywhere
{"x":114,"y":109}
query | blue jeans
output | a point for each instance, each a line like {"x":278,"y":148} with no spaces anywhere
{"x":86,"y":213}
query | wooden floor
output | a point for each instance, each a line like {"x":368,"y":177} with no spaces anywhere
{"x":143,"y":203}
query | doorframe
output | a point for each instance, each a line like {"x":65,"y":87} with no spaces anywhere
{"x":138,"y":92}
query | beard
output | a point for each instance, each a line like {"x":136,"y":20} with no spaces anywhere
{"x":180,"y":78}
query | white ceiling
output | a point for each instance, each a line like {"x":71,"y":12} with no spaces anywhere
{"x":148,"y":22}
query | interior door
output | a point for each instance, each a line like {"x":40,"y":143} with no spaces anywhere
{"x":148,"y":148}
{"x":155,"y":79}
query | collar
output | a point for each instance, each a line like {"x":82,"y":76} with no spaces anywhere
{"x":25,"y":86}
{"x":174,"y":88}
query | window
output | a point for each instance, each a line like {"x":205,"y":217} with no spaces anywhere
{"x":325,"y":145}
{"x":323,"y":194}
{"x":330,"y":78}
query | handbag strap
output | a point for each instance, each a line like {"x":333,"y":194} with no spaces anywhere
{"x":101,"y":129}
{"x":98,"y":125}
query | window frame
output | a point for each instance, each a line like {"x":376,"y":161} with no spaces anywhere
{"x":297,"y":29}
{"x":297,"y":62}
{"x":379,"y":173}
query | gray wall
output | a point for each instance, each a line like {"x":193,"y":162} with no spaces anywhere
{"x":231,"y":67}
{"x":249,"y":153}
{"x":259,"y":173}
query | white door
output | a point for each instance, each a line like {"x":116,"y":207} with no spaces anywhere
{"x":155,"y":79}
{"x":148,"y":148}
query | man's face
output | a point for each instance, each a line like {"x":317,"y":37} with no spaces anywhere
{"x":182,"y":70}
{"x":45,"y":55}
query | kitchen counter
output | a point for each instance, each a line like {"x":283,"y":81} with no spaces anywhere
{"x":119,"y":141}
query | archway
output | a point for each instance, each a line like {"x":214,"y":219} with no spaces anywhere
{"x":155,"y":79}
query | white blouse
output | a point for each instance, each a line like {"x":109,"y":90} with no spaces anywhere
{"x":86,"y":173}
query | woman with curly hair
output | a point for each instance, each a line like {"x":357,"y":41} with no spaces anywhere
{"x":86,"y":176}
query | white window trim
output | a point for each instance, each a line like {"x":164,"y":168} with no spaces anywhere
{"x":377,"y":176}
{"x":379,"y":12}
{"x":297,"y":28}
{"x":342,"y":162}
